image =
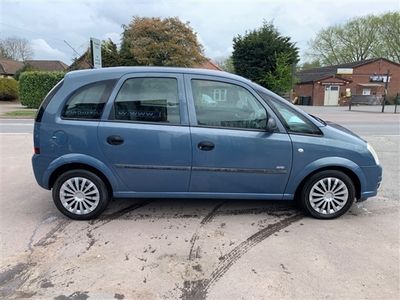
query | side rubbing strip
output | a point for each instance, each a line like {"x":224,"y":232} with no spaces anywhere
{"x":240,"y":170}
{"x":153,"y":167}
{"x":202,"y":169}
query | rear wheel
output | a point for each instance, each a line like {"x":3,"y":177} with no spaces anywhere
{"x":328,"y":194}
{"x":80,"y":194}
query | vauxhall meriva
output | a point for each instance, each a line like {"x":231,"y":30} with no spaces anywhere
{"x":188,"y":133}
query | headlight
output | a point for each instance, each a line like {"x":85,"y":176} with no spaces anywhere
{"x":372,"y":151}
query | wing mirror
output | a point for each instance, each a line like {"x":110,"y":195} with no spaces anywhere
{"x":271,"y":124}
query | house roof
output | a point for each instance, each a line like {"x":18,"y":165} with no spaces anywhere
{"x":209,"y":64}
{"x":47,"y":65}
{"x":315,"y":74}
{"x":10,"y":67}
{"x":83,"y":63}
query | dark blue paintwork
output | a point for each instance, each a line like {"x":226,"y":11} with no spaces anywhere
{"x":159,"y":160}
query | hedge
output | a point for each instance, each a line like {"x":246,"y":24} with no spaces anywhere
{"x":34,"y":86}
{"x":8,"y":89}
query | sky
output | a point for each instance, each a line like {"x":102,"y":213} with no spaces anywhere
{"x":50,"y":25}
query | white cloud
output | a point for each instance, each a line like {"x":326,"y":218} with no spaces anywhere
{"x":44,"y":51}
{"x":217,"y":21}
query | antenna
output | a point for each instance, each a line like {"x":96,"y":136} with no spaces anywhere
{"x":76,"y":52}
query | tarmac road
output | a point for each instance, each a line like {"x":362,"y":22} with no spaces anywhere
{"x":198,"y":249}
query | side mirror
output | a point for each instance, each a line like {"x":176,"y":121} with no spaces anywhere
{"x":271,"y":124}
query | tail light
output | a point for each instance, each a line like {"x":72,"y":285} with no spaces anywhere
{"x":36,"y":150}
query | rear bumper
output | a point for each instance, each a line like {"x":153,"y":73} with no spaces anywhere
{"x":373,"y":177}
{"x":39,"y":165}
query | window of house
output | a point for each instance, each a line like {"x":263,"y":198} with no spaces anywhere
{"x":240,"y":109}
{"x":219,"y":95}
{"x":366,"y":92}
{"x":148,"y":100}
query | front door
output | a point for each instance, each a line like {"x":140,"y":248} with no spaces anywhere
{"x":145,"y":136}
{"x":331,"y":95}
{"x":233,"y":154}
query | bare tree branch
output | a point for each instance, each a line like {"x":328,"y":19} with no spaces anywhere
{"x":15,"y":48}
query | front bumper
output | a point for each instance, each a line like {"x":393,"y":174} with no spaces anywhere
{"x":373,"y":179}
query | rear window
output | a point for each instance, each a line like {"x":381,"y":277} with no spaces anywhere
{"x":47,"y":100}
{"x":87,"y":103}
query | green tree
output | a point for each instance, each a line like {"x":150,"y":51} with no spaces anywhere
{"x":110,"y":57}
{"x":358,"y":39}
{"x":310,"y":65}
{"x":109,"y":54}
{"x":280,"y":80}
{"x":226,"y":64}
{"x":388,"y":31}
{"x":160,"y":42}
{"x":255,"y":54}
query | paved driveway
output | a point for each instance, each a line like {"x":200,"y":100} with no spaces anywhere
{"x":197,"y":249}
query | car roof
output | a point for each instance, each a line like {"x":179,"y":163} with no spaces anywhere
{"x":91,"y":75}
{"x":121,"y":71}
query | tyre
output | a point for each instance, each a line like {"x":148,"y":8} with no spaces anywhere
{"x":80,"y":194}
{"x":327,"y":194}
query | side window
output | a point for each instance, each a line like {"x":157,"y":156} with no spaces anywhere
{"x":148,"y":100}
{"x":220,"y":104}
{"x":88,"y":101}
{"x":294,"y":121}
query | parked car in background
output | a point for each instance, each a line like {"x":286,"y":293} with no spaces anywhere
{"x":132,"y":132}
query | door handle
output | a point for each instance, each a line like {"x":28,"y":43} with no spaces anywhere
{"x":115,"y":140}
{"x":205,"y":146}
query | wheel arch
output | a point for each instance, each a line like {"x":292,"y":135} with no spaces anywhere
{"x":79,"y":166}
{"x":353,"y":176}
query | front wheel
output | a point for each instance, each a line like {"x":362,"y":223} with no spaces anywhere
{"x":80,"y":194}
{"x":328,"y":194}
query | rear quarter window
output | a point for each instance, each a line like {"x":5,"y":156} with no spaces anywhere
{"x":87,"y":102}
{"x":47,"y":100}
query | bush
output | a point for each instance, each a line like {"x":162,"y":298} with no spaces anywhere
{"x":34,"y":86}
{"x":25,"y":68}
{"x":8,"y":89}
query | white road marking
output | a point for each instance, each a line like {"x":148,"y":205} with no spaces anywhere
{"x":17,"y":124}
{"x":16,"y":133}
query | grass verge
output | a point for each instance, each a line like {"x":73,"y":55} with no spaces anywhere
{"x":26,"y":113}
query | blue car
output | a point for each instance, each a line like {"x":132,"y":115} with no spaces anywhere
{"x":142,"y":132}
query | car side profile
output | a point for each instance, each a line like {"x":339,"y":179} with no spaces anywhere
{"x":140,"y":132}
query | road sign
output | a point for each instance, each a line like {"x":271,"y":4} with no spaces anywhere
{"x":95,"y":49}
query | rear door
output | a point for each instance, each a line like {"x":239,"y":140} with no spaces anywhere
{"x":233,"y":153}
{"x":145,"y":135}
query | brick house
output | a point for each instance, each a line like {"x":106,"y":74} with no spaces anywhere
{"x":9,"y":67}
{"x":334,"y":85}
{"x":47,"y":65}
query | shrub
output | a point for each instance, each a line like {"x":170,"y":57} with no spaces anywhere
{"x":8,"y":89}
{"x":34,"y":86}
{"x":25,"y":68}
